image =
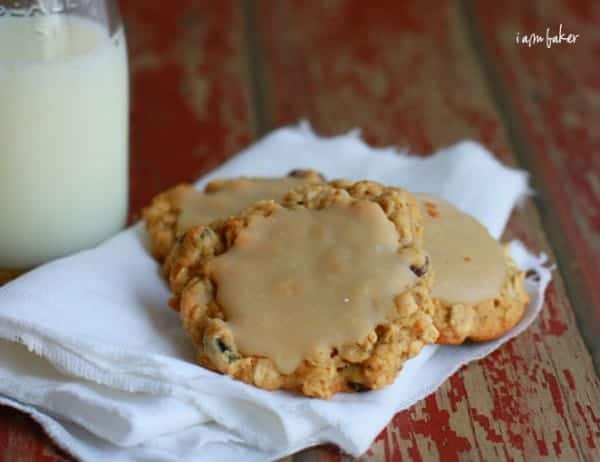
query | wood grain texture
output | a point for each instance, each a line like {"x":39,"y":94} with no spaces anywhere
{"x":22,"y":440}
{"x":190,"y":102}
{"x":406,"y":75}
{"x":555,"y":92}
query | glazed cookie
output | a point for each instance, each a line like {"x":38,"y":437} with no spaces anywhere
{"x":326,"y":291}
{"x":176,"y":210}
{"x":478,"y":291}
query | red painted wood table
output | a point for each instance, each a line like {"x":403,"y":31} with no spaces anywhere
{"x":210,"y":77}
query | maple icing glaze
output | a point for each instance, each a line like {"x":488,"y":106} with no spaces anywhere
{"x":468,"y":264}
{"x":303,"y":281}
{"x":233,"y":197}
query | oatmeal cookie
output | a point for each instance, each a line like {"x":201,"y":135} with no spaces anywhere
{"x":488,"y":319}
{"x":174,"y":211}
{"x":326,"y":291}
{"x":478,"y":291}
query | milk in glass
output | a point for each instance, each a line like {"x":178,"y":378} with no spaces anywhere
{"x":63,"y":137}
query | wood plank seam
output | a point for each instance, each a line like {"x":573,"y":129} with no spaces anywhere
{"x":254,"y":56}
{"x":576,"y":290}
{"x":522,"y":151}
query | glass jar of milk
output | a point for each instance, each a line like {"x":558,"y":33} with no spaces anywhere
{"x":63,"y":128}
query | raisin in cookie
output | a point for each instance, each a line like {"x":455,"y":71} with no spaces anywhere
{"x":326,"y":291}
{"x":478,"y":291}
{"x":176,"y":210}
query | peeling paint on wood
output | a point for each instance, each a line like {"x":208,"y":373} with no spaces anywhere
{"x":417,"y":84}
{"x":407,"y":75}
{"x":190,"y":103}
{"x":555,"y":92}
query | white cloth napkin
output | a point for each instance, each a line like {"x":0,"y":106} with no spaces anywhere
{"x":89,"y":348}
